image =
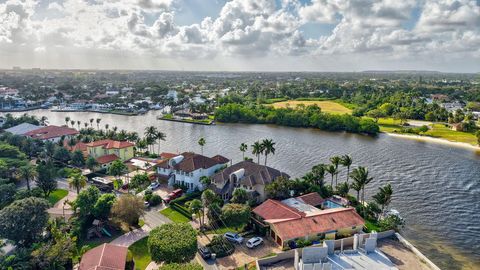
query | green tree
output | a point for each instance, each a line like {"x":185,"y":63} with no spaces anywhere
{"x":384,"y":196}
{"x":127,"y":210}
{"x":91,"y":163}
{"x":7,"y":194}
{"x":278,"y":189}
{"x":98,"y":120}
{"x":236,"y":215}
{"x":336,"y":160}
{"x":361,"y":179}
{"x":27,"y":173}
{"x":205,"y":181}
{"x":46,"y":178}
{"x":478,"y":137}
{"x":195,"y":206}
{"x":243,"y":149}
{"x":102,"y":207}
{"x":67,"y":120}
{"x":257,"y":150}
{"x":151,"y":133}
{"x":85,"y":202}
{"x":77,"y":158}
{"x":268,"y":148}
{"x":332,"y":171}
{"x":177,"y":266}
{"x":343,"y":189}
{"x":24,"y":221}
{"x":239,"y":196}
{"x":173,"y":243}
{"x":117,"y":168}
{"x":318,"y":174}
{"x":77,"y":180}
{"x":139,"y":180}
{"x":391,"y":222}
{"x":160,"y":136}
{"x":202,"y":143}
{"x":347,"y":161}
{"x":61,"y":154}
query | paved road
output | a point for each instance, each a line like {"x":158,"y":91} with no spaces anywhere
{"x":154,"y":219}
{"x":131,"y":237}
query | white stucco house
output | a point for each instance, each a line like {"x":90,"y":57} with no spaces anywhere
{"x":187,"y":169}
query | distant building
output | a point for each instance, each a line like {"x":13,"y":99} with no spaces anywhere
{"x":104,"y":257}
{"x":52,"y":133}
{"x":187,"y":169}
{"x":246,"y":175}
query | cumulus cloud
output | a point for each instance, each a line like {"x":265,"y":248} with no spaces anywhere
{"x":247,"y":29}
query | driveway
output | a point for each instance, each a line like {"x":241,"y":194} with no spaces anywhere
{"x":129,"y":238}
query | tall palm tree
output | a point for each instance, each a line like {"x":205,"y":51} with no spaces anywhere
{"x":98,"y":120}
{"x":268,"y":148}
{"x":44,"y":121}
{"x":78,"y":124}
{"x":67,"y":120}
{"x":384,"y":196}
{"x":318,"y":172}
{"x":160,"y":137}
{"x":91,"y":122}
{"x":27,"y":172}
{"x":151,"y":135}
{"x":72,"y":122}
{"x":335,"y":161}
{"x":202,"y":143}
{"x":360,"y":175}
{"x":85,"y":124}
{"x":77,"y":180}
{"x":257,"y":150}
{"x":347,"y":162}
{"x":332,"y":171}
{"x":357,"y":187}
{"x":243,"y":149}
{"x":107,"y":126}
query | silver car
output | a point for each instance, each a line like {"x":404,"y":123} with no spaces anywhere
{"x":254,"y":242}
{"x":233,"y":237}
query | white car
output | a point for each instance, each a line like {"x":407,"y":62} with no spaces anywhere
{"x":254,"y":242}
{"x":233,"y":237}
{"x":153,"y":185}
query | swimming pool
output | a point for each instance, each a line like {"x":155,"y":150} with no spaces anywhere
{"x":330,"y":204}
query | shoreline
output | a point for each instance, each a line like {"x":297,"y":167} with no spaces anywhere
{"x":433,"y":140}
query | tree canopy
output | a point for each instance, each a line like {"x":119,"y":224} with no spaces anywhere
{"x":173,"y":243}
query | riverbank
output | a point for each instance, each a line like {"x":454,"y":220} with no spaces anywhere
{"x":433,"y":140}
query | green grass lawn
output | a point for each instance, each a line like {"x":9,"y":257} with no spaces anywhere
{"x":57,"y":195}
{"x":91,"y":243}
{"x":326,"y":105}
{"x":140,"y":253}
{"x":371,"y":226}
{"x":223,"y":230}
{"x":174,"y":215}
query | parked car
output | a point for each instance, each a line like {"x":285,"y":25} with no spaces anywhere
{"x":153,"y":185}
{"x":146,"y":204}
{"x":173,"y":195}
{"x":204,"y":252}
{"x":233,"y":237}
{"x":254,"y":242}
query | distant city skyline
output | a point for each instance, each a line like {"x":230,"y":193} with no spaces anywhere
{"x":241,"y":35}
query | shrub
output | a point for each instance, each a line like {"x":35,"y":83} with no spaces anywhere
{"x":220,"y":246}
{"x":176,"y":266}
{"x":173,"y":243}
{"x":154,"y":200}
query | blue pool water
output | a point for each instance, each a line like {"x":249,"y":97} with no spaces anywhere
{"x":330,"y":204}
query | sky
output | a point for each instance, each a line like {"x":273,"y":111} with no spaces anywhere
{"x":241,"y":35}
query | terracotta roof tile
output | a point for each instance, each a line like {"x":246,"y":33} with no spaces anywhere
{"x":271,"y":210}
{"x":50,"y":132}
{"x":107,"y":158}
{"x":106,"y":256}
{"x":313,"y":199}
{"x":110,"y":144}
{"x":192,"y":161}
{"x":165,"y":155}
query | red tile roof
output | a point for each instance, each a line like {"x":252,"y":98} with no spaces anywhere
{"x":107,"y":159}
{"x":78,"y":146}
{"x":50,"y":132}
{"x":165,"y":155}
{"x":110,"y":144}
{"x":272,"y":210}
{"x":106,"y":256}
{"x":324,"y":221}
{"x":192,"y":161}
{"x":313,"y":199}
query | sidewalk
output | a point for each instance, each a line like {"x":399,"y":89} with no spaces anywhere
{"x":129,"y":238}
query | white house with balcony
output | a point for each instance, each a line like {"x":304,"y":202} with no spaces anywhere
{"x":187,"y":169}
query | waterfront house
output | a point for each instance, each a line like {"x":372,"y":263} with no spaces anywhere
{"x":106,"y":256}
{"x":52,"y":133}
{"x":22,"y":128}
{"x":291,"y":220}
{"x":246,"y":175}
{"x":107,"y":151}
{"x":187,"y":168}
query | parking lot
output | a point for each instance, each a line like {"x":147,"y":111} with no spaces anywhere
{"x":242,"y":254}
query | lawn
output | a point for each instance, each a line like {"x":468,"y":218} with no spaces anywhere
{"x":371,"y":226}
{"x":57,"y":195}
{"x":91,"y":243}
{"x":326,"y":105}
{"x":223,"y":230}
{"x":140,"y":253}
{"x":174,"y":215}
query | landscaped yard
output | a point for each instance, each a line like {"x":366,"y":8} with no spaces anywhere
{"x":91,"y":243}
{"x":140,"y":253}
{"x":174,"y":215}
{"x":326,"y":105}
{"x":57,"y":195}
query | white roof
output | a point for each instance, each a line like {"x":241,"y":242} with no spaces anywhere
{"x":22,"y":128}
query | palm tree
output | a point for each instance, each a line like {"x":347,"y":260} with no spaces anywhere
{"x":107,"y":126}
{"x":91,"y":122}
{"x":268,"y":148}
{"x":347,"y":162}
{"x":195,"y":206}
{"x":357,"y":187}
{"x":360,"y":175}
{"x":332,"y":171}
{"x":98,"y":120}
{"x":243,"y":148}
{"x":67,"y":119}
{"x":151,"y":134}
{"x":27,"y":172}
{"x":85,"y":124}
{"x":384,"y":196}
{"x":77,"y":180}
{"x":160,"y":137}
{"x":257,"y":150}
{"x":72,"y":122}
{"x":202,"y":143}
{"x":44,"y":121}
{"x":318,"y":172}
{"x":78,"y":124}
{"x":335,"y":161}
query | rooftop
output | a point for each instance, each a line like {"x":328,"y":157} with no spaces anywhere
{"x":50,"y":132}
{"x":110,"y":144}
{"x":107,"y":159}
{"x":104,"y":257}
{"x":22,"y":128}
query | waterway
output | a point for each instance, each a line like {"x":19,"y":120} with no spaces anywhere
{"x":436,"y":186}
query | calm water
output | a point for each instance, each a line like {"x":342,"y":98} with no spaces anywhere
{"x":436,"y":186}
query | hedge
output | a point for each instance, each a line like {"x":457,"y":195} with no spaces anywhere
{"x":182,"y":210}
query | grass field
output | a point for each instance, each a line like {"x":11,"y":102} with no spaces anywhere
{"x":57,"y":195}
{"x":326,"y":105}
{"x":174,"y":215}
{"x":140,"y":253}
